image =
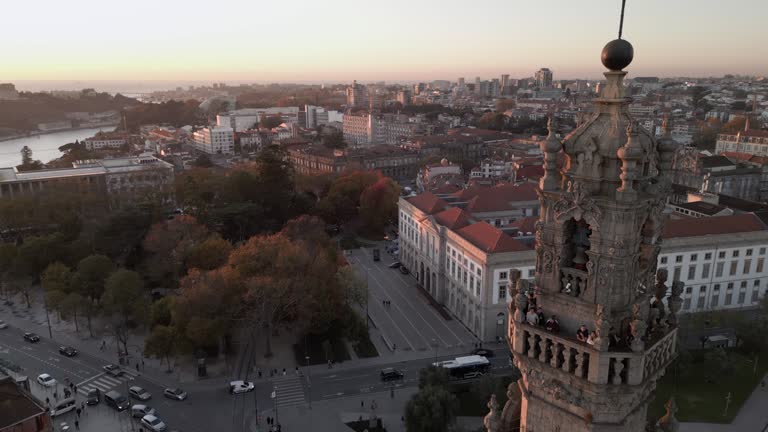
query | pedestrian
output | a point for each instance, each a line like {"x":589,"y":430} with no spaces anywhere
{"x":55,"y":395}
{"x":142,"y":363}
{"x":77,"y":411}
{"x":77,"y":425}
{"x":259,"y":373}
{"x":283,"y":371}
{"x":297,"y":371}
{"x":82,"y":406}
{"x":394,"y":347}
{"x":402,"y":419}
{"x":74,"y":388}
{"x":103,"y":344}
{"x":137,"y":367}
{"x":329,"y":364}
{"x":362,"y":404}
{"x":48,"y":401}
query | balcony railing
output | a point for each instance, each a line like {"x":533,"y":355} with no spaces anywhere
{"x":581,"y":360}
{"x":573,"y":281}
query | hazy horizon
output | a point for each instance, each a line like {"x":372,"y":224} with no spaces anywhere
{"x":340,"y":40}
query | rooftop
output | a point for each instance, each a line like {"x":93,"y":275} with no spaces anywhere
{"x":428,"y":202}
{"x":734,"y":224}
{"x":490,"y":239}
{"x":454,"y":218}
{"x":15,"y":405}
{"x":703,"y":207}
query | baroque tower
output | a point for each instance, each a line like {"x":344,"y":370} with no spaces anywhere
{"x":597,"y":242}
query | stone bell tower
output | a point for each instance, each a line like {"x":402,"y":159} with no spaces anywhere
{"x":597,"y":242}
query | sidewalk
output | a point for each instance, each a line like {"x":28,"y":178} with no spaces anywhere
{"x":331,"y":415}
{"x":753,"y":416}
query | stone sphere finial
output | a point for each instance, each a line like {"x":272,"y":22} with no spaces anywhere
{"x":617,"y":54}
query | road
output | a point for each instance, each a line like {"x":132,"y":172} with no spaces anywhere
{"x":409,"y":322}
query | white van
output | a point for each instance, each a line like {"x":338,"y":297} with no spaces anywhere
{"x":63,"y":406}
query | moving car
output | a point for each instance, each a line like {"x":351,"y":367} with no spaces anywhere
{"x":67,"y":351}
{"x":93,"y":397}
{"x":116,"y":400}
{"x":240,"y":386}
{"x":3,"y":325}
{"x":113,"y":370}
{"x":31,"y":337}
{"x":403,"y":270}
{"x":485,"y":352}
{"x":391,"y":374}
{"x":139,"y":393}
{"x":46,"y":380}
{"x":63,"y":406}
{"x":153,"y":423}
{"x":139,"y":411}
{"x":175,"y":393}
{"x":395,"y":265}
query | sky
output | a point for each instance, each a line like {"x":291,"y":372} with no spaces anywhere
{"x":392,"y":40}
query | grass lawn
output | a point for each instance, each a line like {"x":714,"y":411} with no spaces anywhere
{"x":700,"y":391}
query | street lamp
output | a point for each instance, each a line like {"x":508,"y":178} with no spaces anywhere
{"x":309,"y":382}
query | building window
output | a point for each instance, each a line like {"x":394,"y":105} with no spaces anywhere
{"x":743,"y":284}
{"x":760,"y":262}
{"x":503,"y":275}
{"x":700,"y":303}
{"x":730,"y":285}
{"x":692,"y":272}
{"x":687,"y":303}
{"x":716,"y":288}
{"x":719,"y":270}
{"x":688,"y":290}
{"x":705,"y":271}
{"x":749,"y":252}
{"x":694,"y":257}
{"x":762,"y":251}
{"x":531,"y":273}
{"x":663,"y":260}
{"x":676,"y":274}
{"x":721,"y":254}
{"x":728,"y":298}
{"x":747,"y":265}
{"x":679,"y":259}
{"x":708,"y":255}
{"x":742,"y":297}
{"x":734,"y":265}
{"x":736,"y":253}
{"x":502,"y":293}
{"x":756,"y":283}
{"x":755,"y":294}
{"x":713,"y":302}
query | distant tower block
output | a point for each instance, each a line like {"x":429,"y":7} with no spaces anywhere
{"x":597,"y":242}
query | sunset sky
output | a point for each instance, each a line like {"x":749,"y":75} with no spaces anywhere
{"x":341,"y":40}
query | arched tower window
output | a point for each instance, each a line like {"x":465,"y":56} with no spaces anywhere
{"x":577,"y":243}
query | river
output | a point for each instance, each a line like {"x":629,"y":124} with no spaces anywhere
{"x":44,"y":147}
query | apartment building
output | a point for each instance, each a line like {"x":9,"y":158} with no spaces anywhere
{"x":217,"y":140}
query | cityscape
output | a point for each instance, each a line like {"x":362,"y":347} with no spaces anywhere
{"x":555,"y":219}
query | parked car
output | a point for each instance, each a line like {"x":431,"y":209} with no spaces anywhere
{"x":46,"y":380}
{"x":31,"y":337}
{"x":67,"y":351}
{"x":116,"y":400}
{"x":139,"y":411}
{"x":395,"y":265}
{"x":485,"y":352}
{"x":240,"y":386}
{"x":113,"y":370}
{"x":139,"y":393}
{"x":3,"y":325}
{"x":93,"y":397}
{"x":153,"y":423}
{"x":403,"y":270}
{"x":175,"y":393}
{"x":391,"y":374}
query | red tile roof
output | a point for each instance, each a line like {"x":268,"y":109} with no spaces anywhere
{"x":490,"y":239}
{"x":740,"y":223}
{"x":761,"y":160}
{"x":501,"y":197}
{"x":446,"y":188}
{"x":525,"y":225}
{"x":428,"y":202}
{"x":454,"y":218}
{"x":530,"y":172}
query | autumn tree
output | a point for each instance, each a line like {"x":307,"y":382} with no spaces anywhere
{"x":504,"y":104}
{"x":8,"y":253}
{"x":378,"y":204}
{"x":334,"y":139}
{"x":209,"y":254}
{"x":341,"y":203}
{"x":168,"y":243}
{"x":162,"y":343}
{"x":124,"y":303}
{"x":492,"y":120}
{"x":56,"y":280}
{"x":89,"y":280}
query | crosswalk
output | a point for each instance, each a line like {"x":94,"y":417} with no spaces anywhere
{"x":106,"y":382}
{"x":288,"y":391}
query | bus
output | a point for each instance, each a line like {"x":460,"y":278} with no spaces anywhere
{"x":465,"y":367}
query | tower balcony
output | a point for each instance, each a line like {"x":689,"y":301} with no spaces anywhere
{"x":534,"y":346}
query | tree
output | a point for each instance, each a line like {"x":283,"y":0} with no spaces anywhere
{"x":124,"y":303}
{"x":504,"y":104}
{"x":72,"y":305}
{"x":92,"y":273}
{"x":378,"y":204}
{"x":210,"y":254}
{"x":168,"y":243}
{"x":334,"y":139}
{"x":162,"y":343}
{"x":432,"y":409}
{"x":354,"y":288}
{"x":492,"y":120}
{"x":8,"y":253}
{"x":203,"y":161}
{"x":160,"y":313}
{"x":56,"y":280}
{"x":36,"y":253}
{"x":432,"y":376}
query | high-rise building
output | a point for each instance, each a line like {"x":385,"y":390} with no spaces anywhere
{"x":505,"y":80}
{"x":597,"y":241}
{"x":462,"y":86}
{"x":543,"y":78}
{"x":404,"y":97}
{"x":217,"y":140}
{"x":356,"y":95}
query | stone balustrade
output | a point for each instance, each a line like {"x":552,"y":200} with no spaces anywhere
{"x":573,"y":281}
{"x":583,"y":361}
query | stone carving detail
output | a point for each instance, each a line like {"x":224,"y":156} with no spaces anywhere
{"x":547,"y":258}
{"x":491,"y":420}
{"x":668,"y":422}
{"x":618,"y":368}
{"x":589,"y":160}
{"x":674,"y":301}
{"x":605,"y":270}
{"x":555,"y":389}
{"x":602,"y":328}
{"x":577,"y":203}
{"x":638,"y":327}
{"x":510,"y":415}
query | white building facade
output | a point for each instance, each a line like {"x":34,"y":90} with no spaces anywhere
{"x":218,"y":140}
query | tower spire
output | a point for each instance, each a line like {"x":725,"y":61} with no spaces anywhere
{"x":621,"y":19}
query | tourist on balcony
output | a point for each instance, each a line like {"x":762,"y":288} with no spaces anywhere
{"x":540,"y":314}
{"x":552,"y":324}
{"x":582,"y":333}
{"x":614,"y":339}
{"x":531,"y":317}
{"x":591,"y":338}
